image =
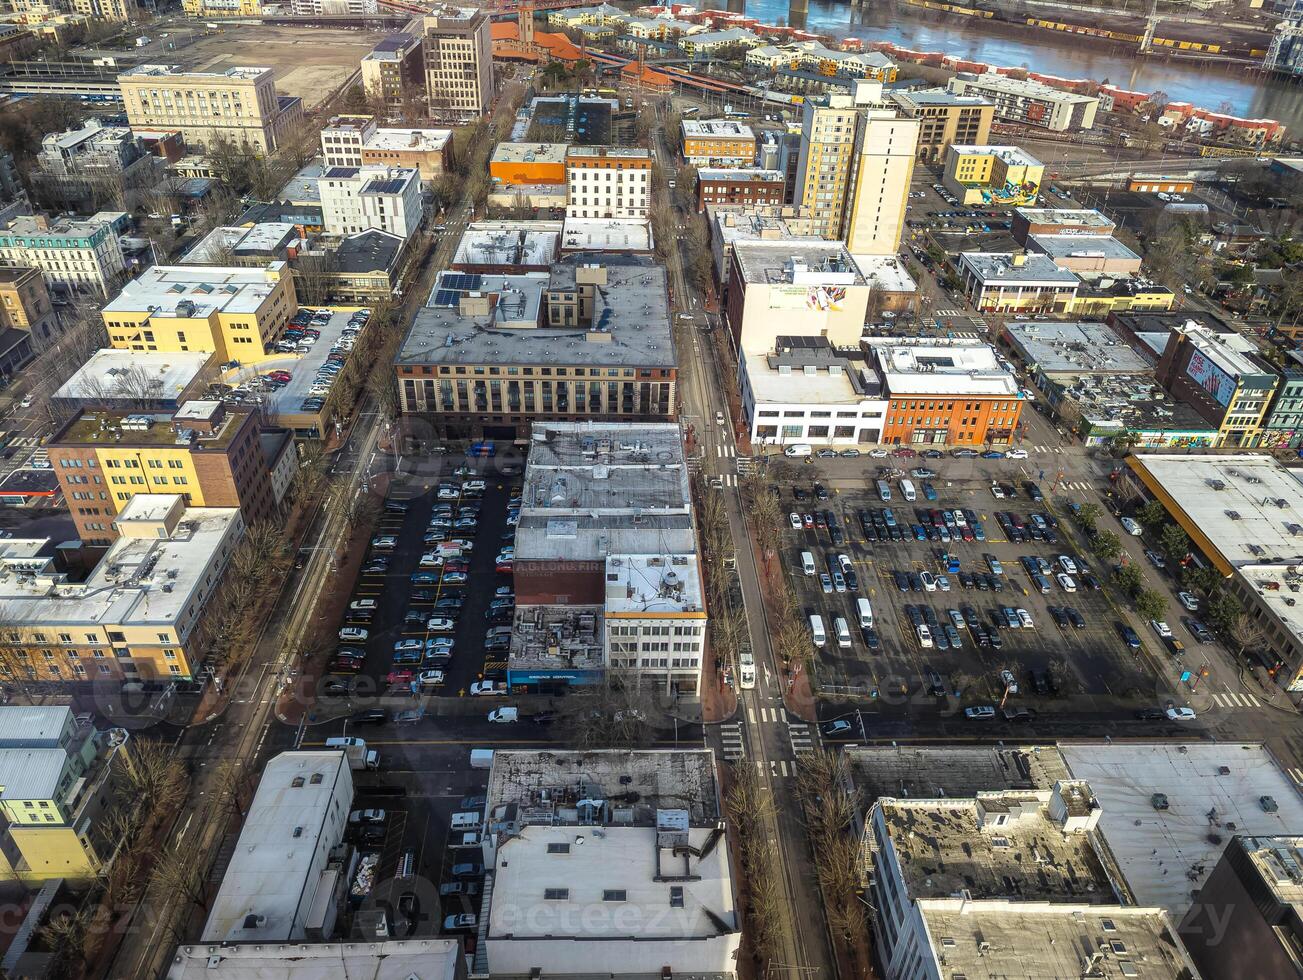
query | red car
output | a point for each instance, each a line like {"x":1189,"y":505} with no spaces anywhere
{"x":456,"y":565}
{"x":504,"y":567}
{"x":399,"y":677}
{"x":904,"y":452}
{"x":279,"y":375}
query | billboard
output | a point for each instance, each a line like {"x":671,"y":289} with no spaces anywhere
{"x":826,"y":299}
{"x":1211,"y":378}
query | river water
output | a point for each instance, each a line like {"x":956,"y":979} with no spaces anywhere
{"x":1253,"y":96}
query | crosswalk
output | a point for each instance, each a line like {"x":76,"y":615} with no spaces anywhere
{"x":730,"y":479}
{"x":730,"y":733}
{"x":801,"y":738}
{"x":725,"y":452}
{"x":1074,"y":485}
{"x":1296,"y":775}
{"x":938,"y":313}
{"x":765,"y":716}
{"x":1057,"y":450}
{"x":745,"y":465}
{"x":1233,"y":699}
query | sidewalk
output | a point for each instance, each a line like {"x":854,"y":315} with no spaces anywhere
{"x":716,"y":703}
{"x":798,"y":695}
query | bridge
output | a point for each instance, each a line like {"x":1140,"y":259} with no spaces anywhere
{"x":62,"y":79}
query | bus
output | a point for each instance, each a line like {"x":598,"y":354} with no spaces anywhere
{"x":746,"y":671}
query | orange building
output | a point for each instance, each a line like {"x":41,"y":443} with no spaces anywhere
{"x":946,"y":394}
{"x":529,"y":163}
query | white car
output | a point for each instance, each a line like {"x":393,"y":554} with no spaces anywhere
{"x":796,"y":521}
{"x":353,"y":633}
{"x":1189,"y":601}
{"x":996,"y":491}
{"x":441,"y":624}
{"x":1161,"y":628}
{"x":1016,"y":454}
{"x":1066,"y":582}
{"x":878,"y":453}
{"x":1067,"y":564}
{"x":1132,"y":526}
{"x":488,"y":689}
{"x":929,"y":581}
{"x":1025,"y":618}
{"x":1180,"y":714}
{"x":1009,"y":681}
{"x":430,"y":678}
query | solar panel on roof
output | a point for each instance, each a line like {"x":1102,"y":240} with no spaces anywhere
{"x":387,"y":186}
{"x":447,"y":297}
{"x":461,"y":280}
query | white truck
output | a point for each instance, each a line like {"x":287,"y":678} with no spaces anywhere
{"x":359,"y":756}
{"x":504,"y":716}
{"x":746,"y":664}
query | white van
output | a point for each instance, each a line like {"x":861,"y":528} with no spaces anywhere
{"x":924,"y":635}
{"x":907,"y":488}
{"x":884,"y":491}
{"x":816,"y":631}
{"x":799,"y":449}
{"x":843,"y":632}
{"x":481,"y":758}
{"x":807,"y":563}
{"x":866,"y":612}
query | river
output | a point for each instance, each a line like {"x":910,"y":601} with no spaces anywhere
{"x":1252,"y":96}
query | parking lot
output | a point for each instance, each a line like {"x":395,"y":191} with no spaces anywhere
{"x":933,"y":571}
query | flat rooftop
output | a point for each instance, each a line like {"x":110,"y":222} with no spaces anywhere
{"x":114,"y":374}
{"x":1278,"y":587}
{"x":1247,"y":508}
{"x":1081,"y":246}
{"x":937,"y":97}
{"x":1234,"y":353}
{"x":1004,"y":268}
{"x":33,"y":726}
{"x":733,"y":223}
{"x":946,"y":846}
{"x":885,"y":272}
{"x":167,"y":290}
{"x":281,"y":836}
{"x":653,"y":585}
{"x":177,"y":72}
{"x":1212,"y":789}
{"x":509,"y":243}
{"x":1279,"y":863}
{"x":409,"y":140}
{"x":372,"y":250}
{"x":957,"y":772}
{"x":304,"y":187}
{"x":125,"y":428}
{"x":716,"y":129}
{"x":1058,"y":347}
{"x":557,"y":638}
{"x":1044,"y":941}
{"x":606,"y":235}
{"x":393,"y":959}
{"x":931,"y":368}
{"x":1014,"y":156}
{"x":554,"y":153}
{"x":789,"y":262}
{"x":1098,"y":222}
{"x":1130,"y":402}
{"x":809,"y":370}
{"x":744,"y":175}
{"x":608,"y":152}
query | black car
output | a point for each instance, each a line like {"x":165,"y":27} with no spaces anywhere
{"x":1034,"y":491}
{"x":871,"y":638}
{"x":1129,"y":636}
{"x":980,"y":634}
{"x":936,"y":685}
{"x":970,"y":615}
{"x":915,"y":582}
{"x":966,"y":580}
{"x":449,"y":604}
{"x":1060,"y":617}
{"x":902,"y":580}
{"x":1150,"y":714}
{"x":820,"y":491}
{"x":1039,"y":680}
{"x":798,"y":493}
{"x":1019,"y":715}
{"x":1197,"y":629}
{"x":541,"y":718}
{"x":836,"y":535}
{"x":371,"y":716}
{"x":1078,"y":621}
{"x":995,"y":582}
{"x":423,"y":595}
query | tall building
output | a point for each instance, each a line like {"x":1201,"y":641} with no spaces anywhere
{"x":946,"y":118}
{"x":825,"y":166}
{"x":884,"y":165}
{"x":357,"y":199}
{"x":79,"y":255}
{"x":210,"y":457}
{"x":393,"y":71}
{"x":458,"y":62}
{"x":607,"y":182}
{"x":239,"y":105}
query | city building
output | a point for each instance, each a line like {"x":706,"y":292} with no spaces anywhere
{"x":718,"y":143}
{"x":807,"y":391}
{"x":655,"y":616}
{"x":815,"y":58}
{"x":233,"y":312}
{"x":1053,"y":349}
{"x":119,"y":380}
{"x":632,"y":236}
{"x":1016,"y":282}
{"x":945,"y":118}
{"x":366,"y":267}
{"x":81,"y":168}
{"x":265,"y":243}
{"x":529,"y":163}
{"x":953,"y":393}
{"x":590,"y":339}
{"x":1283,"y":428}
{"x":222,"y":8}
{"x":744,"y":187}
{"x":792,"y":288}
{"x":25,"y":304}
{"x":371,"y":957}
{"x":458,"y":62}
{"x":1105,"y":295}
{"x":138,"y":615}
{"x":1095,"y":255}
{"x":1085,"y":222}
{"x":1245,"y":921}
{"x":282,"y":882}
{"x":992,"y":175}
{"x":208,"y":455}
{"x":653,"y":840}
{"x":357,"y":199}
{"x":825,"y":169}
{"x":356,"y":141}
{"x":238,"y":105}
{"x":508,"y":246}
{"x":890,"y":283}
{"x":62,"y":779}
{"x":333,"y":8}
{"x":702,"y":44}
{"x":730,"y":224}
{"x":1029,"y":102}
{"x":884,"y":166}
{"x":570,"y":117}
{"x":342,"y":139}
{"x":608,"y":182}
{"x":393,"y":71}
{"x":74,"y":255}
{"x":13,"y":192}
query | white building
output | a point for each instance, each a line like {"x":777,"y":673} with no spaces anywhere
{"x":277,"y":887}
{"x":656,"y":620}
{"x":609,"y":863}
{"x":319,"y":8}
{"x":607,"y":182}
{"x":1029,"y":102}
{"x":393,"y":959}
{"x":77,"y":255}
{"x":356,"y":199}
{"x":884,"y":167}
{"x":342,"y":140}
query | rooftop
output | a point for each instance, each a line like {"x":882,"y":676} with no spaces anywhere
{"x":791,"y":262}
{"x":1081,"y":246}
{"x":885,"y":272}
{"x":653,"y":585}
{"x":1211,"y":789}
{"x":606,"y":235}
{"x":196,"y":291}
{"x":1014,"y":156}
{"x":123,"y":374}
{"x":1278,"y":587}
{"x":121,"y":429}
{"x":999,"y":268}
{"x":741,"y":175}
{"x":953,"y":771}
{"x":809,"y":370}
{"x":1130,"y":403}
{"x":1022,"y":86}
{"x":177,"y":72}
{"x":937,"y":96}
{"x":1097,"y":222}
{"x":1044,"y":941}
{"x":393,"y":959}
{"x":716,"y":128}
{"x":1233,"y":353}
{"x":508,"y":243}
{"x":557,"y":638}
{"x":608,"y":152}
{"x":554,"y":153}
{"x":303,"y":188}
{"x":935,"y":367}
{"x":1056,"y":347}
{"x":33,"y":726}
{"x":283,"y":831}
{"x":32,"y":773}
{"x":1278,"y":861}
{"x":733,"y":223}
{"x":392,"y":46}
{"x":1247,"y":507}
{"x":372,"y":250}
{"x":729,"y":35}
{"x":410,"y":140}
{"x":37,"y":226}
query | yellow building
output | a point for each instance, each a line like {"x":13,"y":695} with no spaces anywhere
{"x":1106,"y":294}
{"x":139,"y":614}
{"x":58,"y":777}
{"x":826,"y":165}
{"x":233,"y":312}
{"x":222,"y":8}
{"x":1004,"y":176}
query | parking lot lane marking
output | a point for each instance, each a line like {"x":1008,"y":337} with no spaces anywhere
{"x":1296,"y":775}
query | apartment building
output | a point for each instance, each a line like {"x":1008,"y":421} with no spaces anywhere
{"x":140,"y":612}
{"x":62,"y":781}
{"x":238,"y":105}
{"x":394,"y":70}
{"x":76,"y":255}
{"x":952,"y":393}
{"x":607,"y":182}
{"x":25,"y":304}
{"x":529,"y":163}
{"x":739,"y":186}
{"x":655,"y":616}
{"x":357,"y":141}
{"x":1084,"y":222}
{"x":342,"y":139}
{"x":458,"y":62}
{"x":884,"y":166}
{"x":946,"y":118}
{"x":233,"y":312}
{"x":718,"y":143}
{"x":490,"y":354}
{"x":333,"y":8}
{"x":222,"y":8}
{"x":825,"y":169}
{"x":118,"y":11}
{"x":209,"y":456}
{"x":1017,"y":282}
{"x":357,"y":199}
{"x":1029,"y":102}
